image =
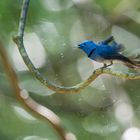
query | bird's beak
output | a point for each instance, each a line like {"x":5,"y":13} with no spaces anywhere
{"x":75,"y":47}
{"x":79,"y":45}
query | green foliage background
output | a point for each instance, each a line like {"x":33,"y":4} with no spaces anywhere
{"x":60,"y":25}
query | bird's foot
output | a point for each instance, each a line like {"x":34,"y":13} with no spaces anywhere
{"x":105,"y":65}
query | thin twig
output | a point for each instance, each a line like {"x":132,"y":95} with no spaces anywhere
{"x":60,"y":89}
{"x":31,"y":105}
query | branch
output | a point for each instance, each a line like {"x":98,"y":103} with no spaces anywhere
{"x":60,"y":89}
{"x":31,"y":105}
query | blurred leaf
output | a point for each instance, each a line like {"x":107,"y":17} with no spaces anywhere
{"x":23,"y":114}
{"x":101,"y":123}
{"x":34,"y":86}
{"x":108,"y":5}
{"x":34,"y":138}
{"x":135,"y":15}
{"x":13,"y":127}
{"x":120,"y":68}
{"x":126,"y":5}
{"x":5,"y":86}
{"x":130,"y":41}
{"x":57,"y":5}
{"x":35,"y":51}
{"x":97,"y":98}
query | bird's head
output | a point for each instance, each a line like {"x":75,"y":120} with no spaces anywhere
{"x":87,"y":46}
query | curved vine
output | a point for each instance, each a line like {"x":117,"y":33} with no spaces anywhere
{"x":59,"y":89}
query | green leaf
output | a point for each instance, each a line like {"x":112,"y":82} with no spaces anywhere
{"x":32,"y":85}
{"x":101,"y":123}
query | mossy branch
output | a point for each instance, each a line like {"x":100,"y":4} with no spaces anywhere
{"x":60,"y":89}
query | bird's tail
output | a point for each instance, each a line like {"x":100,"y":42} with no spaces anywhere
{"x":135,"y":65}
{"x":128,"y":62}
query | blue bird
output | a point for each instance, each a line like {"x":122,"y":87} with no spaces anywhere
{"x":107,"y":51}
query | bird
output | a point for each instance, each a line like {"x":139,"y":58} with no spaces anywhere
{"x":107,"y":52}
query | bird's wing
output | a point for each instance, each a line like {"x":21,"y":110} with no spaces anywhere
{"x":106,"y":41}
{"x":119,"y":47}
{"x":109,"y":51}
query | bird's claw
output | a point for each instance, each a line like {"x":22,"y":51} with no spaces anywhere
{"x":105,"y":65}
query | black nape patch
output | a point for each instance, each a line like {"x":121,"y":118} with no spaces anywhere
{"x":91,"y":52}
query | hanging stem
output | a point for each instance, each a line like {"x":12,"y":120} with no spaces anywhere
{"x":31,"y":105}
